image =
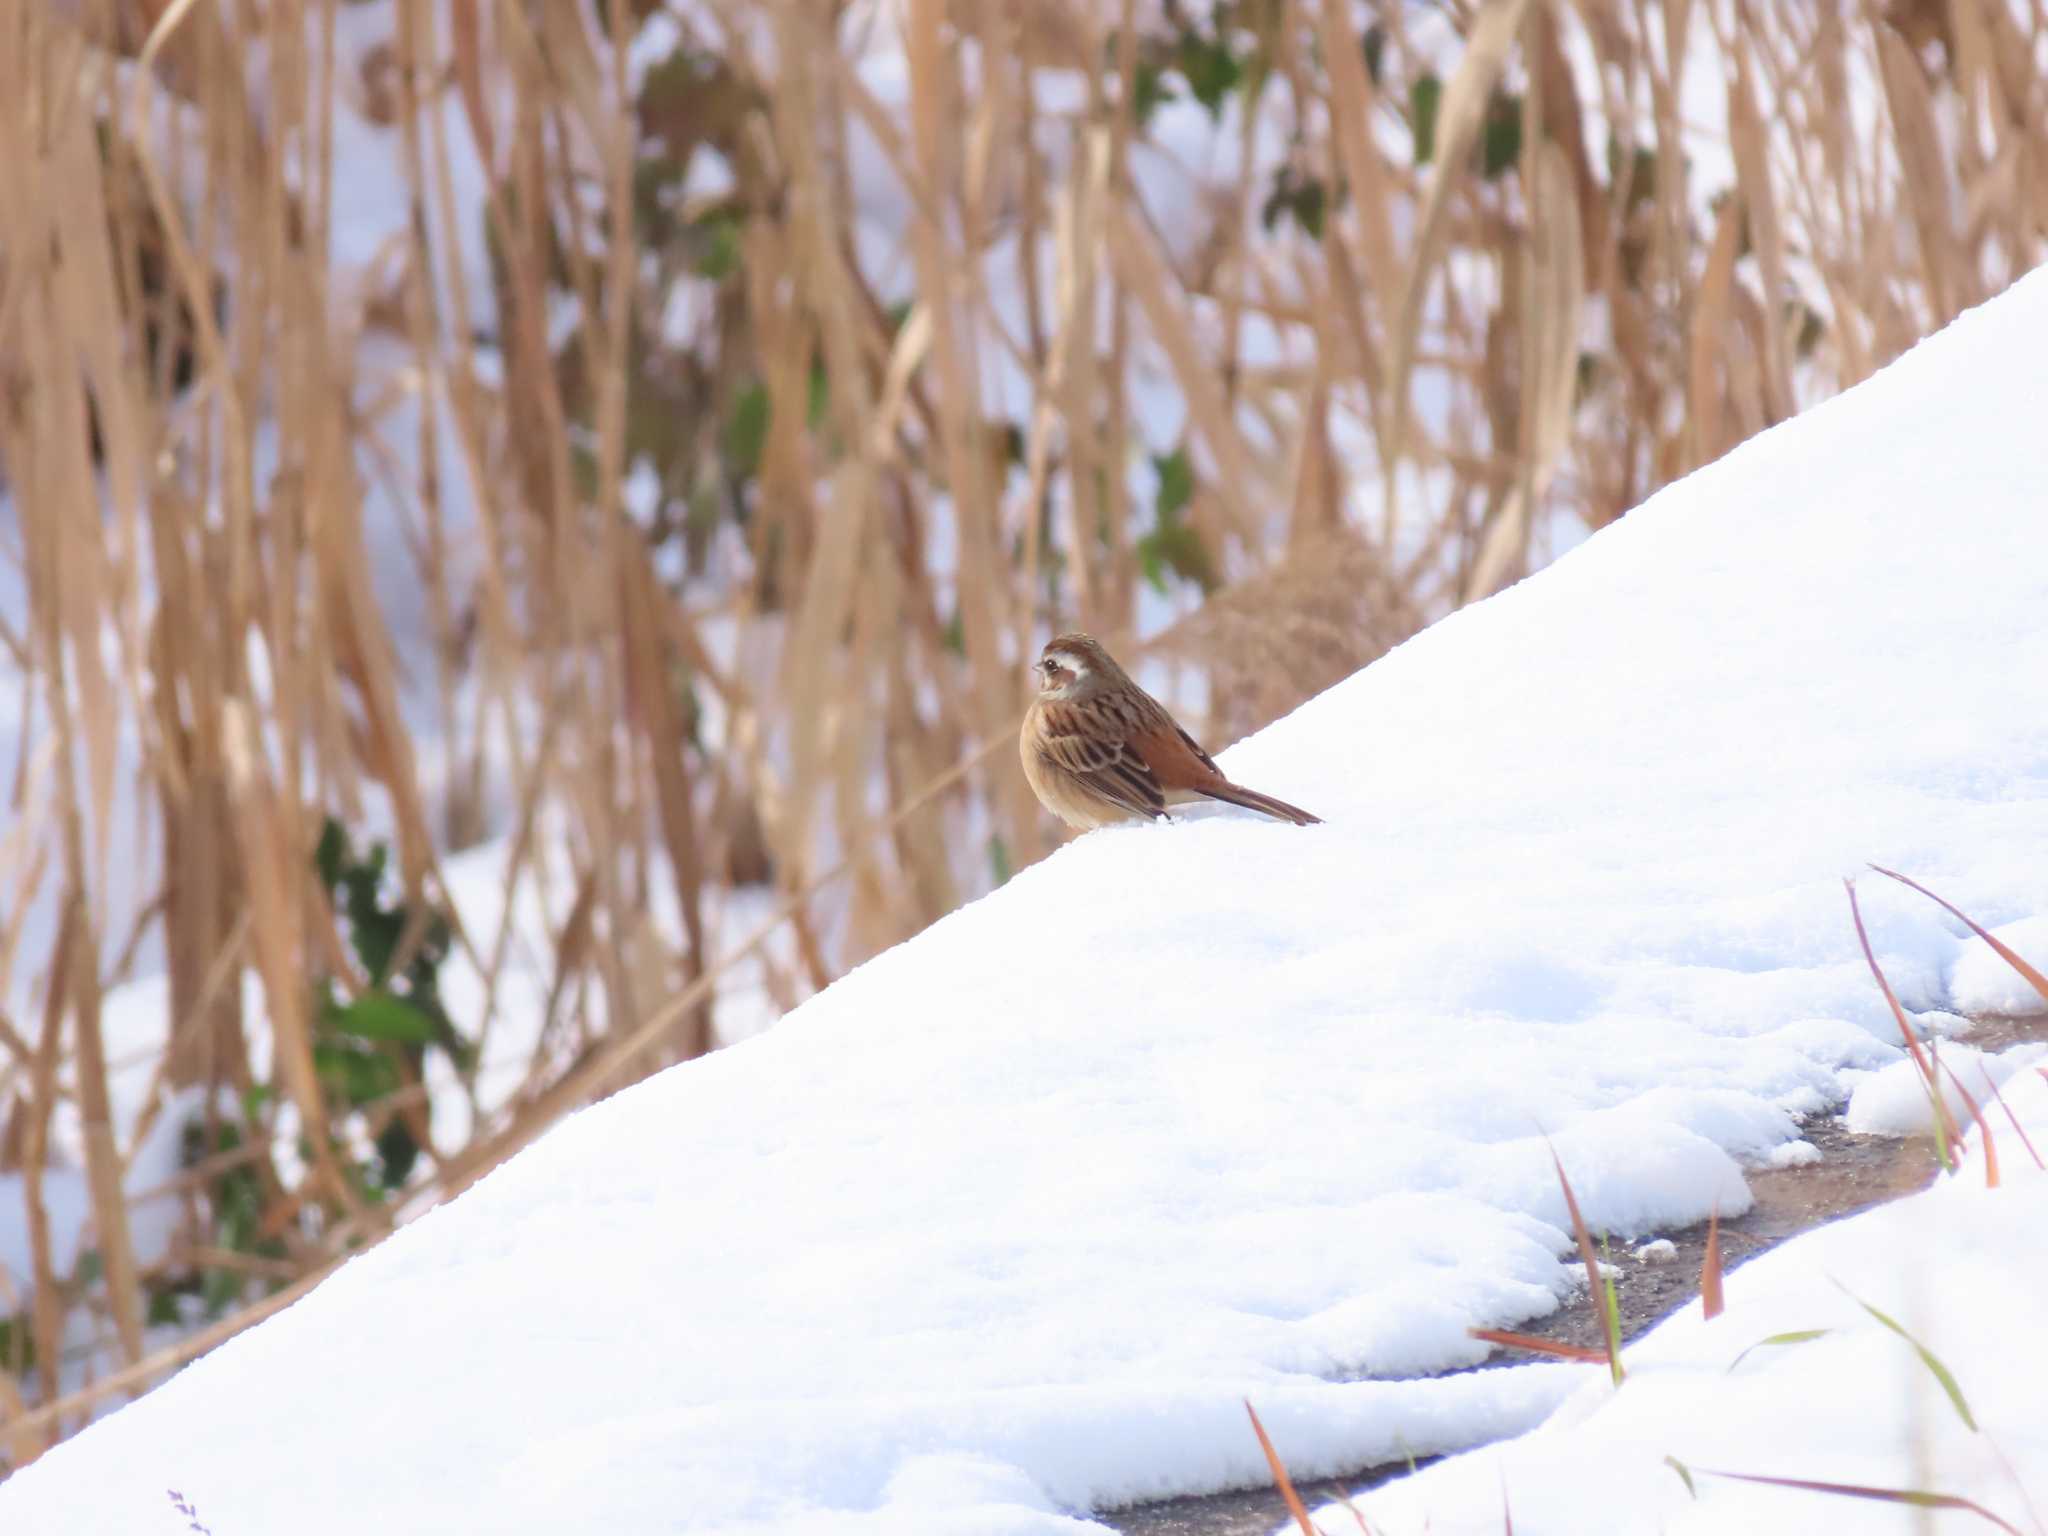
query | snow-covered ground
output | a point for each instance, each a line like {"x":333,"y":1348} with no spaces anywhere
{"x":1800,"y":1379}
{"x":1010,"y":1221}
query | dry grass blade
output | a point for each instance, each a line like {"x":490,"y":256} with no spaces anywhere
{"x":1710,"y":326}
{"x":1458,"y":120}
{"x":1948,"y":1140}
{"x":1280,"y":1478}
{"x":1556,"y":290}
{"x":1711,"y":1303}
{"x":1924,"y":161}
{"x":102,"y":1156}
{"x":2003,"y":950}
{"x":2018,"y":1129}
{"x":1595,"y":1290}
{"x":1766,"y":232}
{"x":1539,"y":1346}
{"x":1977,"y":1114}
{"x":1912,"y":1497}
{"x":133,"y":1378}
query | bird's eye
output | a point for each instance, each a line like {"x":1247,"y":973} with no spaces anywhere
{"x":1050,"y":665}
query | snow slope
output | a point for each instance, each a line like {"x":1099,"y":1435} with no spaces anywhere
{"x":1009,"y":1220}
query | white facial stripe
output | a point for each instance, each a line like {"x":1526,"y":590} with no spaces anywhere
{"x":1071,"y":662}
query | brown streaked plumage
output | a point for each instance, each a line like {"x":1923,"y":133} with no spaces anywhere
{"x":1099,"y":749}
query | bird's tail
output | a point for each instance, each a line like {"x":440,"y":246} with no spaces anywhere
{"x":1252,"y":800}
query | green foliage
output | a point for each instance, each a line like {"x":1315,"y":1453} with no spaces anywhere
{"x":1298,"y":196}
{"x":1172,"y":546}
{"x":1500,"y":133}
{"x":371,"y":1046}
{"x":746,"y":431}
{"x":1375,"y":49}
{"x":1500,"y":137}
{"x":1210,"y":66}
{"x":1149,"y":91}
{"x":1425,"y":95}
{"x":1638,"y":167}
{"x":1807,"y":327}
{"x":1000,"y":867}
{"x":715,"y":242}
{"x":17,"y":1345}
{"x":236,"y":1202}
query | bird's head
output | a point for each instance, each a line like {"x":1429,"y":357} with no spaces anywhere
{"x":1070,"y":663}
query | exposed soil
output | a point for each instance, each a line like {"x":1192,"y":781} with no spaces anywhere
{"x":1854,"y":1173}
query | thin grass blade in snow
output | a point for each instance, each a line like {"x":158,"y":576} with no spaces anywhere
{"x":1780,"y":1340}
{"x":1914,"y":1497}
{"x":1710,"y":1267}
{"x":1280,"y":1478}
{"x":1977,"y":1114}
{"x":1947,"y":1140}
{"x":1927,"y":1356}
{"x":2003,"y":950}
{"x":2018,"y":1129}
{"x":1539,"y":1346}
{"x":1601,"y":1297}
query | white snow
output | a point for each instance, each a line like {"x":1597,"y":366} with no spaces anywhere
{"x":1794,"y":1154}
{"x":1010,"y":1220}
{"x":1895,"y":1101}
{"x":1981,"y":982}
{"x":1958,"y":1267}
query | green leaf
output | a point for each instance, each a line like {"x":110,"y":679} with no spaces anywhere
{"x":1927,"y":1357}
{"x":1424,"y":97}
{"x":356,"y":1075}
{"x":1175,"y":548}
{"x":331,"y":852}
{"x":1638,"y":167}
{"x":377,"y":1015}
{"x":1176,"y":482}
{"x":1684,"y":1474}
{"x":746,"y":430}
{"x":999,"y":859}
{"x":1778,"y":1340}
{"x":397,"y":1151}
{"x":1149,"y":92}
{"x":1807,"y":326}
{"x":1172,"y":547}
{"x":716,"y":243}
{"x":1375,"y":47}
{"x":1301,"y":198}
{"x":818,"y":399}
{"x":1500,"y":140}
{"x":1211,"y":70}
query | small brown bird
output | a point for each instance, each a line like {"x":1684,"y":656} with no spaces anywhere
{"x":1099,"y":749}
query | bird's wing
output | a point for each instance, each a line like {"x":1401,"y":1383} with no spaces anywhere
{"x":1109,"y":768}
{"x":1195,"y":747}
